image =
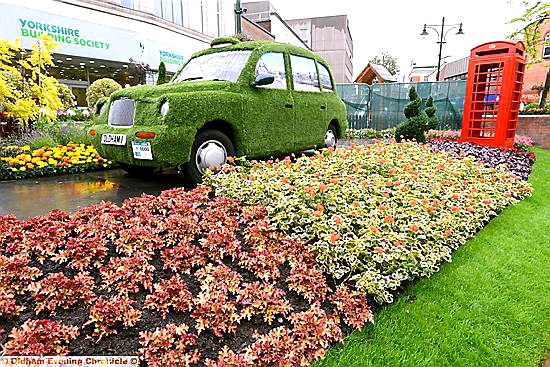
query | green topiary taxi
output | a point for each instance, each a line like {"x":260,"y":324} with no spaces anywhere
{"x":254,"y":99}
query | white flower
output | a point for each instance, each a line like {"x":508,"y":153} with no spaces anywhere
{"x":44,"y":111}
{"x":86,"y":113}
{"x":71,"y":112}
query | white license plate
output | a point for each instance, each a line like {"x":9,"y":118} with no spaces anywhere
{"x":113,"y":139}
{"x":142,"y":150}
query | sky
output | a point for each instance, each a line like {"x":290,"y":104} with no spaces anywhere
{"x":394,"y":26}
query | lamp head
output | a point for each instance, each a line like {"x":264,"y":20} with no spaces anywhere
{"x":424,"y":33}
{"x":460,"y":29}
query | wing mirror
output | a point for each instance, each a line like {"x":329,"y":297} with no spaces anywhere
{"x":263,"y":79}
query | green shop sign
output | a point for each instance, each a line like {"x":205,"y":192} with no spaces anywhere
{"x":171,"y":58}
{"x":31,"y":28}
{"x":75,"y":36}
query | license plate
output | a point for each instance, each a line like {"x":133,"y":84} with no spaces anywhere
{"x":142,"y":150}
{"x":113,"y":139}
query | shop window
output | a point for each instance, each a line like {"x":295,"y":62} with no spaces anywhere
{"x":273,"y":63}
{"x":127,"y":3}
{"x":304,"y":74}
{"x":546,"y":46}
{"x":178,"y":12}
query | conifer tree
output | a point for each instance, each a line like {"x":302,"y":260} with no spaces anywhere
{"x":162,"y":74}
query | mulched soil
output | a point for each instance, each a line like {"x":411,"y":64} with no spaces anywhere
{"x":153,"y":215}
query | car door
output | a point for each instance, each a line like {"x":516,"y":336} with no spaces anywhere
{"x":269,"y":113}
{"x":309,"y":103}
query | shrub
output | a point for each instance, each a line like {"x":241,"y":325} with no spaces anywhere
{"x":101,"y":88}
{"x":418,"y":121}
{"x":68,"y":100}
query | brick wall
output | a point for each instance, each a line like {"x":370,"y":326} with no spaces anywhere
{"x":537,"y":127}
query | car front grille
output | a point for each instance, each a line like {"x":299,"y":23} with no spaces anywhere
{"x":121,"y":113}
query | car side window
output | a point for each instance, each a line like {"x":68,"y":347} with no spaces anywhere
{"x":304,"y":74}
{"x":273,"y":63}
{"x":326,"y":82}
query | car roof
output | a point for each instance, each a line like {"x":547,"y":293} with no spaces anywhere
{"x":264,"y":46}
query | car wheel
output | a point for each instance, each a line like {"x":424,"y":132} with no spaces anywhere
{"x":137,"y":171}
{"x":210,"y":149}
{"x":331,"y":136}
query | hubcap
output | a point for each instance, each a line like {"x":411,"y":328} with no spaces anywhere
{"x":330,"y":138}
{"x":211,"y":153}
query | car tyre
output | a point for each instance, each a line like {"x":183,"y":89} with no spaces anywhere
{"x":210,"y":149}
{"x":331,"y":136}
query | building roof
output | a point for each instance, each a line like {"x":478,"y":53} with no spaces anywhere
{"x":372,"y":71}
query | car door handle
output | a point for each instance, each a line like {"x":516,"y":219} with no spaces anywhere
{"x":289,"y":105}
{"x":323,"y":107}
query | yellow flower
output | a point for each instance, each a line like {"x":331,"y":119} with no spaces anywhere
{"x":30,"y":165}
{"x":23,"y":168}
{"x":25,"y":147}
{"x":52,"y":161}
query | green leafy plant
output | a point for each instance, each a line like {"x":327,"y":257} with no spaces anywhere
{"x":418,"y":121}
{"x":101,"y":88}
{"x":375,"y":215}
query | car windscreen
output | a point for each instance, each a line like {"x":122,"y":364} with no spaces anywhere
{"x":226,"y":65}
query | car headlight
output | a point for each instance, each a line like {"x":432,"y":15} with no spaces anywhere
{"x":164,"y":108}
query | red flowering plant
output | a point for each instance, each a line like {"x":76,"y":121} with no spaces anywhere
{"x":183,"y":278}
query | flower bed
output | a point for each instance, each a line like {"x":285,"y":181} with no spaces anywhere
{"x":177,"y":278}
{"x":20,"y":162}
{"x":377,"y":215}
{"x":517,"y":161}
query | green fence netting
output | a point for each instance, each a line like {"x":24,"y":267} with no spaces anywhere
{"x":380,"y":106}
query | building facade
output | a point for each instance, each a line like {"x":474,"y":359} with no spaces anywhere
{"x":264,"y":14}
{"x":330,"y":37}
{"x":120,"y":39}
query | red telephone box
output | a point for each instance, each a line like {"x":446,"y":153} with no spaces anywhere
{"x":493,"y":93}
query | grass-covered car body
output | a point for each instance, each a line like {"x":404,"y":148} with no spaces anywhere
{"x":259,"y":120}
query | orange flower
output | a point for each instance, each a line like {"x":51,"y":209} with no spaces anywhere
{"x":284,"y":180}
{"x":447,"y":233}
{"x":320,"y":208}
{"x":388,"y":219}
{"x":334,"y":237}
{"x":337,"y":220}
{"x":356,"y":204}
{"x":382,"y":207}
{"x":322,"y":187}
{"x":414,"y":227}
{"x":373,"y":229}
{"x":379,"y":250}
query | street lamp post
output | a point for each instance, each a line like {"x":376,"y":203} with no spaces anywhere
{"x":441,"y":37}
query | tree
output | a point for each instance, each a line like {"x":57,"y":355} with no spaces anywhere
{"x":26,"y":89}
{"x":388,"y":61}
{"x":535,"y":15}
{"x":162,"y":74}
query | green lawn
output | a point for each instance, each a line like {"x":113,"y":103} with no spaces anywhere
{"x":490,"y":307}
